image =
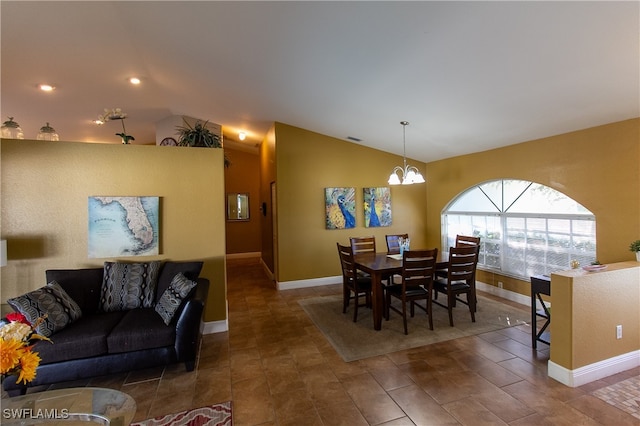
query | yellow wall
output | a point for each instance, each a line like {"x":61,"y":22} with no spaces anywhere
{"x":597,"y":167}
{"x":307,"y":163}
{"x":45,"y":187}
{"x":268,"y":176}
{"x":586,"y":309}
{"x":243,"y":176}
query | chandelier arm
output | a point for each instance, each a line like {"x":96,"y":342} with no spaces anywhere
{"x":410,"y":174}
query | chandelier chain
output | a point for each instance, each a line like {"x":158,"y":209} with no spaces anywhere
{"x":410,"y":174}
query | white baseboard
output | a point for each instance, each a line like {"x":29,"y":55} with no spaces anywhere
{"x":506,"y":294}
{"x":211,"y":327}
{"x":595,"y":371}
{"x":313,"y":282}
{"x":243,"y":255}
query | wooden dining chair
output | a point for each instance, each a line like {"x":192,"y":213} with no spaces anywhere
{"x":462,"y":241}
{"x":393,"y":247}
{"x":393,"y":242}
{"x":460,"y":280}
{"x":465,"y":240}
{"x":363,"y":244}
{"x":359,"y":285}
{"x":418,"y":267}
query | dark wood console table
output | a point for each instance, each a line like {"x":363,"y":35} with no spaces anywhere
{"x":540,"y":284}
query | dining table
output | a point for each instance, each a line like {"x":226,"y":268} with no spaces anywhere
{"x":380,"y":266}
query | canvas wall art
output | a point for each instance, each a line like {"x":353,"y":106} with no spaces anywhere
{"x":340,"y":208}
{"x":377,"y":207}
{"x":123,"y":226}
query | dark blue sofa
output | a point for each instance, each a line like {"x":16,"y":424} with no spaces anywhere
{"x":101,"y":343}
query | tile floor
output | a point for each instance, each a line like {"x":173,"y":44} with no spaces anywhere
{"x":278,"y":369}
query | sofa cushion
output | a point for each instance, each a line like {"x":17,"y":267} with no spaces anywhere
{"x":191,"y":270}
{"x":172,"y":298}
{"x":82,"y":339}
{"x":50,"y":302}
{"x":140,"y":329}
{"x":82,"y":285}
{"x":128,"y":286}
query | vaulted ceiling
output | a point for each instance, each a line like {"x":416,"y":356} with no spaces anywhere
{"x":468,"y":76}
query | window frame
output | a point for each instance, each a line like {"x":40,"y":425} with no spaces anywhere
{"x":504,"y":262}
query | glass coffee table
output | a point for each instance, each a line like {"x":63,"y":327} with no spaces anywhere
{"x":66,"y":407}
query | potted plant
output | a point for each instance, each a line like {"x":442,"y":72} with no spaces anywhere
{"x":635,"y":247}
{"x":199,"y":135}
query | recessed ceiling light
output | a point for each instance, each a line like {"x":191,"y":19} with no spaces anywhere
{"x":242,"y":135}
{"x":134,"y":80}
{"x":46,"y":87}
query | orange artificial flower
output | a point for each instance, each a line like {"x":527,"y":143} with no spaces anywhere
{"x":28,"y":364}
{"x":16,"y":343}
{"x":11,"y":351}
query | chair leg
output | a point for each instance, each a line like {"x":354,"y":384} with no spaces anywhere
{"x":450,"y":306}
{"x":472,"y":306}
{"x":430,"y":312}
{"x":404,"y":316}
{"x":346,"y":295}
{"x":475,"y":299}
{"x":387,"y":303}
{"x":355,"y":308}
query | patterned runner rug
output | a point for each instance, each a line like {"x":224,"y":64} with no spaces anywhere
{"x":212,"y":415}
{"x":624,"y":395}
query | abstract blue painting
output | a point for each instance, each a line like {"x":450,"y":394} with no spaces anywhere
{"x":377,"y":207}
{"x":340,"y":208}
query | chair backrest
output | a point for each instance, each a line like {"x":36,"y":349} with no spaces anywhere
{"x":465,"y":241}
{"x":462,"y":263}
{"x":363,"y":244}
{"x":347,"y":263}
{"x":418,"y":268}
{"x":393,"y":244}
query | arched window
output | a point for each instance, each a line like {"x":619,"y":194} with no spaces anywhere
{"x":525,"y":228}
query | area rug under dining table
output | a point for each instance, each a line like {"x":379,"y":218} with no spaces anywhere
{"x":354,"y":341}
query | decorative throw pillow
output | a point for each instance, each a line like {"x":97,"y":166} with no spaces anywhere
{"x":190,"y":269}
{"x":50,"y":301}
{"x":128,"y":286}
{"x":173,"y":297}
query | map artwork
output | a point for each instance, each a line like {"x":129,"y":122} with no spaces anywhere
{"x":123,"y":226}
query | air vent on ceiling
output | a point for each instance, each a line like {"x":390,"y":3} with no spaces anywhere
{"x":351,"y":138}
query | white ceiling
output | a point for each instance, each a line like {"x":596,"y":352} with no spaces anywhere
{"x":468,"y":76}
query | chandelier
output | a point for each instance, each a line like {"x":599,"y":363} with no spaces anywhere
{"x":406,"y":175}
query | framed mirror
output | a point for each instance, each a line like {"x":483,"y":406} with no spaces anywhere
{"x":237,"y":206}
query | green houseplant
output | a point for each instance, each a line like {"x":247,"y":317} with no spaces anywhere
{"x":635,"y":247}
{"x":199,"y":135}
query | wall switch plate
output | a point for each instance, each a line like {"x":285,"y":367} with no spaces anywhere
{"x":618,"y":332}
